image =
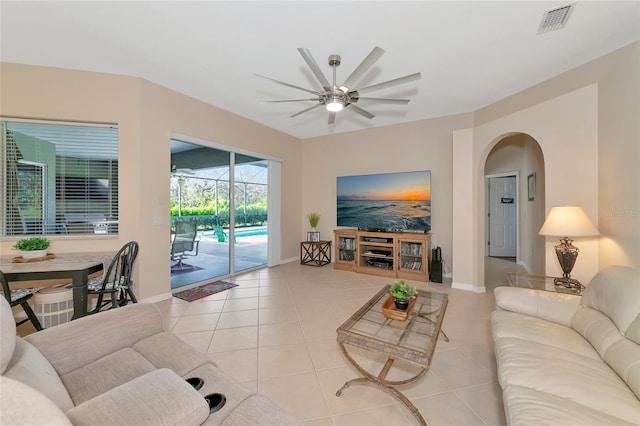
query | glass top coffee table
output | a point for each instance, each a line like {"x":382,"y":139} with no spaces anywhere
{"x":413,"y":340}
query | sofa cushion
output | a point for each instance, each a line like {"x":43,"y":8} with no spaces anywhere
{"x":166,"y":350}
{"x":160,"y":397}
{"x":567,"y":375}
{"x":512,"y":324}
{"x":31,"y":368}
{"x":610,"y":321}
{"x":554,"y":307}
{"x":615,"y":291}
{"x":21,"y":404}
{"x":550,"y":358}
{"x":620,"y":353}
{"x":633,"y":332}
{"x":7,"y":334}
{"x":624,"y":357}
{"x":596,"y":328}
{"x":526,"y":406}
{"x":77,"y":343}
{"x":105,"y":374}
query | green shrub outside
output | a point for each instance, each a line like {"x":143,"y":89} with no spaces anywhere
{"x":206,"y":218}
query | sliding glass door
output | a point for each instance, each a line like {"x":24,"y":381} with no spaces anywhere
{"x":224,"y":196}
{"x":250,"y":219}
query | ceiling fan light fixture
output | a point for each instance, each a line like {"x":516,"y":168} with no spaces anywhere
{"x":336,"y":97}
{"x":335,"y":104}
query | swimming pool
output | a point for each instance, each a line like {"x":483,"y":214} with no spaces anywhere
{"x":241,"y":232}
{"x":250,"y":232}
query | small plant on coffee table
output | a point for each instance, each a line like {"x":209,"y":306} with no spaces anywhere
{"x":402,"y":292}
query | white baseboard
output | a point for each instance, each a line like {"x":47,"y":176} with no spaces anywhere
{"x":291,"y":259}
{"x":468,"y":287}
{"x":157,"y":298}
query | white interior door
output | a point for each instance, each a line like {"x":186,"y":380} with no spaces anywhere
{"x":502,"y":216}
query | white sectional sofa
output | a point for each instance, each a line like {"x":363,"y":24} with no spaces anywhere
{"x":117,"y":367}
{"x":570,"y":360}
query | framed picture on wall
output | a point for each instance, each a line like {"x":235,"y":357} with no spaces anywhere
{"x":313,"y":236}
{"x":531,"y":181}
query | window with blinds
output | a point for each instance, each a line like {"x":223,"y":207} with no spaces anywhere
{"x":58,"y":178}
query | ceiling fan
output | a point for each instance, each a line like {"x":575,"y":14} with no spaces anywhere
{"x":337,"y":97}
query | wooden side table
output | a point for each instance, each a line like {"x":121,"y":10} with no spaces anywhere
{"x":315,"y":253}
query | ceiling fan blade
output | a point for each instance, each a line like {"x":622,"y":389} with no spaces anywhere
{"x":390,"y":83}
{"x":306,"y":55}
{"x":288,"y":85}
{"x":291,"y":100}
{"x":382,"y":100}
{"x":332,"y":117}
{"x":364,"y":66}
{"x":305,"y":110}
{"x":360,"y":111}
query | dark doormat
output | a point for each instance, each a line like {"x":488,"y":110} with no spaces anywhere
{"x":204,"y":290}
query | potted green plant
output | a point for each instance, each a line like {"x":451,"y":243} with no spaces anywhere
{"x":314,"y":218}
{"x":402,"y":292}
{"x":33,"y":247}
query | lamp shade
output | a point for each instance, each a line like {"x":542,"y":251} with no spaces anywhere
{"x":568,"y":221}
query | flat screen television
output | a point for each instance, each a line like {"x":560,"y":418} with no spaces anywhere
{"x":388,"y":201}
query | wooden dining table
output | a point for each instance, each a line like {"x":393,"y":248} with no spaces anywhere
{"x":77,"y":266}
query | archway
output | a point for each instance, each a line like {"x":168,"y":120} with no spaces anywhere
{"x":518,"y":155}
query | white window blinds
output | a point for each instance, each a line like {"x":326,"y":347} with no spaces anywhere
{"x":59,"y":178}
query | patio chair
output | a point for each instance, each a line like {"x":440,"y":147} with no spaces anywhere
{"x":116,"y":282}
{"x":184,"y":243}
{"x":222,"y":236}
{"x":21,"y":296}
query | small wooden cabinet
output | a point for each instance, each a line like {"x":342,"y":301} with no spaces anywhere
{"x":387,"y":254}
{"x":346,"y":244}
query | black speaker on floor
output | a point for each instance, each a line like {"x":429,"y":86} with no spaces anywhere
{"x":435,"y":270}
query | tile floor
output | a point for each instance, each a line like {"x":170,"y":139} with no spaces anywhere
{"x":275,"y":334}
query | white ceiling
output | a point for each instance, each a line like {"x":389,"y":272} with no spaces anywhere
{"x":470,"y":54}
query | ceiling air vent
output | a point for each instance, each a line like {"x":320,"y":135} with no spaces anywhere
{"x":555,"y":19}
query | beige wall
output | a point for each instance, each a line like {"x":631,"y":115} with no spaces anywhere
{"x":147,"y":115}
{"x":464,"y":232}
{"x":614,"y":81}
{"x":420,"y":145}
{"x":49,"y":93}
{"x":619,"y":162}
{"x":533,"y":213}
{"x":566,"y":130}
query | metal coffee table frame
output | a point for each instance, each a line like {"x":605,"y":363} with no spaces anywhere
{"x":413,"y":341}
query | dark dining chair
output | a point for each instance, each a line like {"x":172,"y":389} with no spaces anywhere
{"x":21,"y":296}
{"x":184,"y":243}
{"x":116,"y":281}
